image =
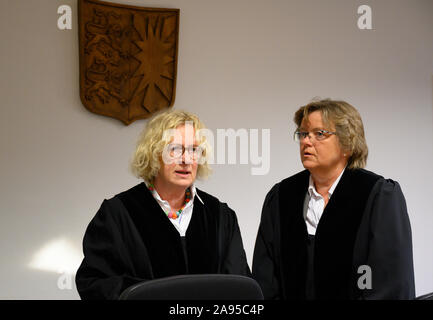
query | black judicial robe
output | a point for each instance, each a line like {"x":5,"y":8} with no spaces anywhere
{"x":364,"y":223}
{"x":130,"y":240}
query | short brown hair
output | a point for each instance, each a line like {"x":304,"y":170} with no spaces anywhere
{"x":348,"y":125}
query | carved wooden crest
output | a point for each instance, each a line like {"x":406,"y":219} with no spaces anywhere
{"x":128,"y":59}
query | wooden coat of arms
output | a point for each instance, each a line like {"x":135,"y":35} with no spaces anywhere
{"x":128,"y":59}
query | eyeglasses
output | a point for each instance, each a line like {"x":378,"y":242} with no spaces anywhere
{"x":177,"y":150}
{"x":318,"y":135}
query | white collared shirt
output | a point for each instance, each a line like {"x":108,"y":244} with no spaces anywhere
{"x":181,"y":223}
{"x":314,"y":204}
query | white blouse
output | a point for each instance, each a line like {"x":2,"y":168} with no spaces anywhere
{"x":182,"y":222}
{"x":314,"y":204}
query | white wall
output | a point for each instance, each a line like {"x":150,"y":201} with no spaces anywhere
{"x":242,"y":64}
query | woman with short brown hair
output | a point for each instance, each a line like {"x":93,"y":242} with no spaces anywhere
{"x":334,"y":230}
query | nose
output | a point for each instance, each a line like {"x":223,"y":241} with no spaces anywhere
{"x":306,"y":142}
{"x":186,"y":157}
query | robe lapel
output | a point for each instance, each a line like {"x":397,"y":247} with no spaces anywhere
{"x":294,"y":235}
{"x":158,"y":234}
{"x":202,"y":238}
{"x":336,"y":234}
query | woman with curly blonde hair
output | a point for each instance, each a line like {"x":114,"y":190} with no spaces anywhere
{"x":164,"y":226}
{"x":334,"y":230}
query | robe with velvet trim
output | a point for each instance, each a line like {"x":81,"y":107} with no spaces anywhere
{"x":365,"y":223}
{"x":131,"y":240}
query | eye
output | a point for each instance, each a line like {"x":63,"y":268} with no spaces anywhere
{"x":194,"y":150}
{"x":319,"y":134}
{"x":175,"y":149}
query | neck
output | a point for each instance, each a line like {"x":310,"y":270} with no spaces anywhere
{"x":324,"y":181}
{"x":175,"y":196}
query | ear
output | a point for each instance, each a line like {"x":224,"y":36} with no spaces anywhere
{"x":347,"y":153}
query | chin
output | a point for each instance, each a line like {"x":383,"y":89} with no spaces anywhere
{"x":183,"y":183}
{"x":307,"y":164}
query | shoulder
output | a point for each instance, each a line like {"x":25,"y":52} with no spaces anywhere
{"x":381,"y":194}
{"x":213,"y":202}
{"x":378,"y":182}
{"x":206,"y":197}
{"x":388,"y":188}
{"x":363,"y":174}
{"x":285,"y":187}
{"x":135,"y":191}
{"x":359,"y":182}
{"x":296,"y":178}
{"x":116,"y":206}
{"x":387,"y":207}
{"x":215,"y":205}
{"x":294,"y":181}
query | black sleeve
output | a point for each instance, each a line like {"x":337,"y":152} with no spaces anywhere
{"x":390,"y":256}
{"x":103,"y":271}
{"x":265,"y":261}
{"x":234,"y":260}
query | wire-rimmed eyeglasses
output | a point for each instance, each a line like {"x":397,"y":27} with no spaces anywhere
{"x":318,"y":135}
{"x":177,"y":150}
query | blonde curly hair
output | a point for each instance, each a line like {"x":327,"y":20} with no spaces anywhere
{"x":147,"y":158}
{"x":348,"y":125}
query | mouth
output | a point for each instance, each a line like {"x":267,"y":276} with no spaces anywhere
{"x":307,"y":154}
{"x":183,"y":173}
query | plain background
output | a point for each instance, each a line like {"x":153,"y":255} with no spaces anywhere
{"x":242,"y":64}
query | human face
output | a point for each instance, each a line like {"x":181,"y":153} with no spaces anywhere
{"x":179,"y":173}
{"x":321,"y":157}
